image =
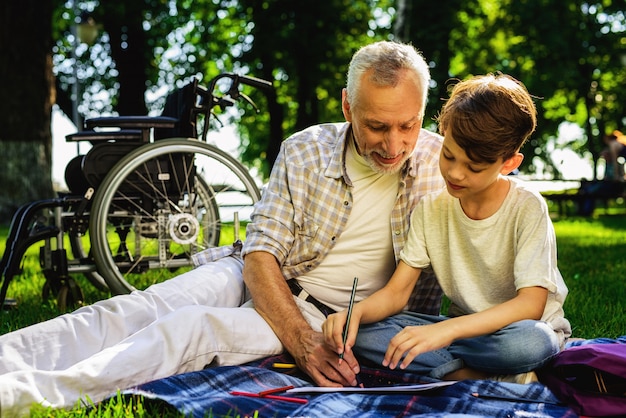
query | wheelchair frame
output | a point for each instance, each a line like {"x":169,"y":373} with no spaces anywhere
{"x":148,"y":195}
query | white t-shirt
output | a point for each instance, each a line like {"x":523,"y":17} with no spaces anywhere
{"x":482,"y":263}
{"x":365,"y":248}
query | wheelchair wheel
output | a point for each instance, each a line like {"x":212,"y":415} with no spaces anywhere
{"x":162,"y":203}
{"x":69,"y":295}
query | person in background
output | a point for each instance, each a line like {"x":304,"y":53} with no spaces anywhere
{"x":337,"y":205}
{"x":492,"y":246}
{"x":615,"y":148}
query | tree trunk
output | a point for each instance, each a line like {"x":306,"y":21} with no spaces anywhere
{"x":26,"y":96}
{"x":428,"y":28}
{"x":123,"y":22}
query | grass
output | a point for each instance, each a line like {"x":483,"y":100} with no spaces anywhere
{"x":27,"y":287}
{"x":592,"y":260}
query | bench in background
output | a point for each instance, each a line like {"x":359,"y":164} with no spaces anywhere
{"x":586,"y":198}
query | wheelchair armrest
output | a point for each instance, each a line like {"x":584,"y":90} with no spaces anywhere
{"x":132,"y":135}
{"x":131,"y":122}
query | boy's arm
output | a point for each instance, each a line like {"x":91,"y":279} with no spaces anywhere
{"x":529,"y":303}
{"x":391,"y":299}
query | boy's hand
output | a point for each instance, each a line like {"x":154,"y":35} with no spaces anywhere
{"x":415,"y":340}
{"x":334,"y":326}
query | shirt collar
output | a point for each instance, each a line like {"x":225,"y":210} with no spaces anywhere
{"x":337,"y":166}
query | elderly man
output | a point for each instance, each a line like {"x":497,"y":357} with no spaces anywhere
{"x":337,"y":206}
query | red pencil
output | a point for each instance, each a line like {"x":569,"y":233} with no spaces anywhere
{"x":276,"y":397}
{"x":275,"y":390}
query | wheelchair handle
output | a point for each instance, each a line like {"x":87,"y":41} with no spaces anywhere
{"x":210,"y":100}
{"x":256,"y":82}
{"x":240,"y":79}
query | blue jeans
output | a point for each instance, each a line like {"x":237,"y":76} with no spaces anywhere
{"x":520,"y":347}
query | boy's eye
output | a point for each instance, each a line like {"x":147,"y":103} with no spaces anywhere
{"x":471,"y":168}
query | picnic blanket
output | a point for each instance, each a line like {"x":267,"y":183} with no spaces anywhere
{"x":209,"y":393}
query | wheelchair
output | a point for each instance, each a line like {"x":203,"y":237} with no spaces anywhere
{"x":149,"y":194}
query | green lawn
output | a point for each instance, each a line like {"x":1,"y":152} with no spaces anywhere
{"x":592,"y":259}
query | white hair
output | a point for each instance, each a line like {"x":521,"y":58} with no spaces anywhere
{"x":386,"y":59}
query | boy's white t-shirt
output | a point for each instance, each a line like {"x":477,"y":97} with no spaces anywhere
{"x":365,"y":250}
{"x":482,"y":263}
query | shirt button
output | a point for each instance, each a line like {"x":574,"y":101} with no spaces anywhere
{"x":397,"y":232}
{"x":346,"y":203}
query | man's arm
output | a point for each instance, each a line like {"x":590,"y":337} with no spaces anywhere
{"x":274,"y":302}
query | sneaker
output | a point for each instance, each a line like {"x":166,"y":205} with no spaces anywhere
{"x":522,"y":378}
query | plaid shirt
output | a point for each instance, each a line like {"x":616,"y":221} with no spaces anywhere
{"x":307,"y":202}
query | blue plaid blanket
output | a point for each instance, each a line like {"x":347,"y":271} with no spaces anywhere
{"x":208,"y":392}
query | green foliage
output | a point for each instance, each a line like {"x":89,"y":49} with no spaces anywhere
{"x":302,"y":47}
{"x":569,"y":53}
{"x":573,"y":47}
{"x":305,"y":49}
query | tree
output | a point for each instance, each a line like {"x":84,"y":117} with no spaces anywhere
{"x":575,"y":65}
{"x":146,"y":46}
{"x":27,"y":95}
{"x":306,"y":49}
{"x":569,"y":53}
{"x":429,"y":27}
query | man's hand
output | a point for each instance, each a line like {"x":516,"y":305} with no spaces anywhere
{"x":319,"y":361}
{"x":274,"y":302}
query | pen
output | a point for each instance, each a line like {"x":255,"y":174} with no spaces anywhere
{"x":345,"y":329}
{"x":275,"y":397}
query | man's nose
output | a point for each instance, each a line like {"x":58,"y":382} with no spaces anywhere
{"x":393,"y":143}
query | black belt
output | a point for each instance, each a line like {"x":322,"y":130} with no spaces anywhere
{"x":299,"y":292}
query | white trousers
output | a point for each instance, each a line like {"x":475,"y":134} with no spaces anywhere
{"x":200,"y":318}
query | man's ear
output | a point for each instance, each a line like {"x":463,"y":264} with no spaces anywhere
{"x":345,"y":105}
{"x":512,"y":163}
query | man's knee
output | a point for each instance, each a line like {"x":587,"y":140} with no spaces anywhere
{"x":218,"y":283}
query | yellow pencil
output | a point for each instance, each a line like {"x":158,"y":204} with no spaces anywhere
{"x":284,"y":366}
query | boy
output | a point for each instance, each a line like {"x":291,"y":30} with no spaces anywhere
{"x":491,"y":245}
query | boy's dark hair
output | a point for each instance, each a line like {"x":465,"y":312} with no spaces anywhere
{"x":489,"y":116}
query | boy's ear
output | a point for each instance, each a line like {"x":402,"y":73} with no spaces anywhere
{"x":512,"y":163}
